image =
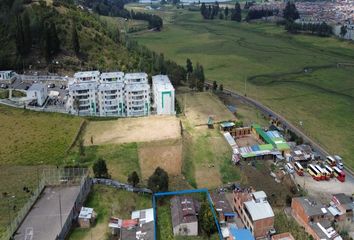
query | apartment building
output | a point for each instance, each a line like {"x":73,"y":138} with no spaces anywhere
{"x":255,"y":211}
{"x":87,"y":76}
{"x":137,"y":94}
{"x":163,"y":95}
{"x":110,"y":94}
{"x":82,"y":98}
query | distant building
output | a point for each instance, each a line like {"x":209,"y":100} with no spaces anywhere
{"x":163,"y":95}
{"x":255,"y":212}
{"x":86,"y":217}
{"x":137,"y":94}
{"x":184,"y":211}
{"x":7,"y":76}
{"x":38,"y":92}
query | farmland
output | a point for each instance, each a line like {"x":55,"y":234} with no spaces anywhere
{"x":295,"y":75}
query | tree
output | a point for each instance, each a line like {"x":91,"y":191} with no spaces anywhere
{"x":226,"y":12}
{"x":158,"y":181}
{"x":206,"y":219}
{"x":189,"y":66}
{"x":27,"y":37}
{"x":290,"y":12}
{"x":221,"y":16}
{"x":75,"y":40}
{"x":343,"y":31}
{"x":221,"y":88}
{"x":133,"y":179}
{"x":100,"y":169}
{"x":204,"y":11}
{"x":20,"y":41}
{"x":236,"y":13}
{"x":199,"y":77}
{"x":77,"y":105}
{"x":215,"y":86}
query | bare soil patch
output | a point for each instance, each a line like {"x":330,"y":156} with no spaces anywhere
{"x":164,"y":154}
{"x":144,"y":129}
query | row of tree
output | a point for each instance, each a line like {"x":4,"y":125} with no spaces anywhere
{"x":213,"y":11}
{"x":261,"y":13}
{"x":195,"y":75}
{"x":320,"y":29}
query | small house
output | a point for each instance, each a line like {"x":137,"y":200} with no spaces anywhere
{"x":87,"y":217}
{"x":38,"y":92}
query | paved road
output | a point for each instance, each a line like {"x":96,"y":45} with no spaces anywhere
{"x":323,"y":152}
{"x":44,"y":222}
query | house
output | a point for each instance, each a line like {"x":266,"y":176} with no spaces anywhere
{"x":345,"y":206}
{"x":86,"y":217}
{"x":255,"y":211}
{"x":137,"y":94}
{"x":143,"y":231}
{"x":306,"y":209}
{"x":163,"y":95}
{"x":314,"y":217}
{"x":38,"y":92}
{"x":184,"y":211}
{"x":144,"y":216}
{"x":222,"y":206}
{"x":7,"y":76}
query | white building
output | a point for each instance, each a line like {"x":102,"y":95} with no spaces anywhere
{"x":82,"y":98}
{"x":7,"y":76}
{"x":112,"y":77}
{"x":163,"y":95}
{"x":38,"y":92}
{"x":87,"y":76}
{"x":137,"y":94}
{"x":110,"y":99}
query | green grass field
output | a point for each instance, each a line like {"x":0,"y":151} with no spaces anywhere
{"x":271,"y":63}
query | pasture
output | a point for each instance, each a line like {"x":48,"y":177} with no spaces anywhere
{"x":30,"y":138}
{"x":295,"y":75}
{"x":144,"y":129}
{"x":199,"y":106}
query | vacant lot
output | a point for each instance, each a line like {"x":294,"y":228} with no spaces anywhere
{"x":268,"y":64}
{"x":165,"y":154}
{"x":30,"y":138}
{"x":199,"y":106}
{"x":108,"y":202}
{"x":144,"y":129}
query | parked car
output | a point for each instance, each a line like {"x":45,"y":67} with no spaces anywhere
{"x":340,"y":165}
{"x":338,"y":159}
{"x":51,"y":85}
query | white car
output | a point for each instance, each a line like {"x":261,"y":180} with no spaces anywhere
{"x":340,"y":165}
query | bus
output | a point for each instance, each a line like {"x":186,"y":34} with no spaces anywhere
{"x":314,"y":172}
{"x":299,"y":169}
{"x":322,"y":172}
{"x":289,"y":167}
{"x":327,"y":174}
{"x":331,"y":161}
{"x":339,"y":174}
{"x":329,"y":170}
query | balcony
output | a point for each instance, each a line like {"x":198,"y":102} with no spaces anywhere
{"x":137,"y":103}
{"x":110,"y":97}
{"x":138,"y":97}
{"x":86,"y":96}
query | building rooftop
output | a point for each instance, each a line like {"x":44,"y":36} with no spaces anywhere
{"x":162,"y":83}
{"x":260,"y":195}
{"x":241,"y":234}
{"x":86,"y":213}
{"x":110,"y":86}
{"x":105,"y":75}
{"x":345,"y":201}
{"x":135,"y":75}
{"x":311,"y":207}
{"x":137,"y":86}
{"x":221,"y":204}
{"x":259,"y":210}
{"x":86,"y":74}
{"x":36,"y":87}
{"x":140,"y":232}
{"x":144,"y":216}
{"x":82,"y":86}
{"x":183,"y":210}
{"x":325,"y":231}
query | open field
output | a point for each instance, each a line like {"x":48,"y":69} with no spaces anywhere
{"x":30,"y":138}
{"x":129,"y":25}
{"x":268,"y":64}
{"x":108,"y":202}
{"x":144,"y":129}
{"x":207,"y":156}
{"x":164,"y":154}
{"x":199,"y":106}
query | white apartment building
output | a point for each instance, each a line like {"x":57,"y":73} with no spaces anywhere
{"x":7,"y":76}
{"x":112,"y":77}
{"x":137,"y":94}
{"x":82,"y":93}
{"x":163,"y":95}
{"x":87,"y":76}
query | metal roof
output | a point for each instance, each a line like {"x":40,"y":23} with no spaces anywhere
{"x":241,"y":234}
{"x":259,"y":209}
{"x":37,"y":87}
{"x":86,"y":213}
